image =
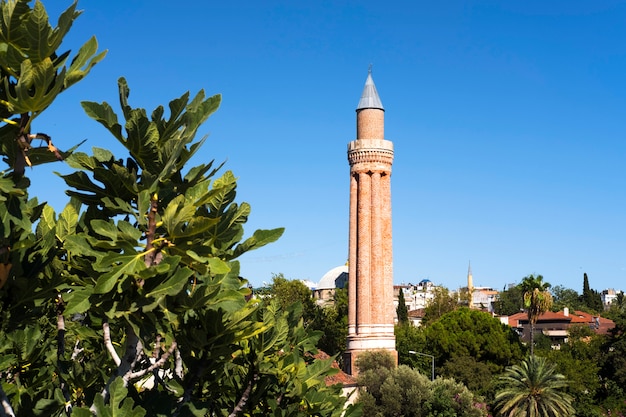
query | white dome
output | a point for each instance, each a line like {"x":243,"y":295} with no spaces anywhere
{"x":336,"y":277}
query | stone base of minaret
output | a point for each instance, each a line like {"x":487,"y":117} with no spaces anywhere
{"x":371,"y":342}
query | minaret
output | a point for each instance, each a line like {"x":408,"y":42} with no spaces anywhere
{"x":370,"y":285}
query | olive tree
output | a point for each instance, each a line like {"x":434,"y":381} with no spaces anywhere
{"x":387,"y":390}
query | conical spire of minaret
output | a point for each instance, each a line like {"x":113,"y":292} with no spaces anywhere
{"x":369,"y":97}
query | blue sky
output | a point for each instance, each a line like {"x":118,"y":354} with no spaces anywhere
{"x":508,"y":121}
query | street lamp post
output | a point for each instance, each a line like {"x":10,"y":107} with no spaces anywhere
{"x":432,"y":378}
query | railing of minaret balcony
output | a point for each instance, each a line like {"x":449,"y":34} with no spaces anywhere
{"x":384,"y":156}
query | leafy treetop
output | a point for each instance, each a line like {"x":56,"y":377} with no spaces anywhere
{"x":141,"y":261}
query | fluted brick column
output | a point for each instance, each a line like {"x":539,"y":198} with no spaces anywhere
{"x":370,"y":282}
{"x":352,"y":254}
{"x":364,"y":250}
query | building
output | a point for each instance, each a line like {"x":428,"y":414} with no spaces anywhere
{"x":324,"y":292}
{"x":484,"y":298}
{"x":416,"y":296}
{"x":370,"y":269}
{"x":479,"y":298}
{"x":609,"y":296}
{"x":556,"y":325}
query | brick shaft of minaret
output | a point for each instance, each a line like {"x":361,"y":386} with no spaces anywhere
{"x":370,"y":312}
{"x":370,"y":124}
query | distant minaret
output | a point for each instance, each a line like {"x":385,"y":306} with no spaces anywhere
{"x":370,"y":285}
{"x":470,"y":285}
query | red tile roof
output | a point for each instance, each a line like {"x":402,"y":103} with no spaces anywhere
{"x":552,"y":316}
{"x":419,"y":313}
{"x":515,"y":318}
{"x":339,"y":378}
{"x":575,"y":317}
{"x":603,"y":324}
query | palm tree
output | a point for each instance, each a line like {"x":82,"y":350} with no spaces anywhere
{"x":537,"y":300}
{"x":533,"y":389}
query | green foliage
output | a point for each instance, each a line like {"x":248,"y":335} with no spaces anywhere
{"x":474,"y":333}
{"x":402,"y":391}
{"x":119,"y":405}
{"x":618,"y":307}
{"x":583,"y":360}
{"x":510,"y":301}
{"x":278,"y":369}
{"x":451,"y":398}
{"x":33,"y":74}
{"x":401,"y":310}
{"x":613,"y":366}
{"x":142,"y":260}
{"x":537,"y":300}
{"x":533,"y":389}
{"x":477,"y":376}
{"x":443,"y":302}
{"x":591,"y":299}
{"x":411,"y":338}
{"x":542,"y":342}
{"x":537,"y":297}
{"x":332,"y":321}
{"x":399,"y":391}
{"x":565,"y":297}
{"x":287,"y":292}
{"x":375,"y":360}
{"x":582,"y":377}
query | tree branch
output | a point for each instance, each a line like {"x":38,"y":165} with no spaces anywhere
{"x":158,"y":364}
{"x":157,"y":347}
{"x":132,"y":353}
{"x":109,"y":345}
{"x":6,"y":410}
{"x":77,"y":350}
{"x":154,"y":255}
{"x":245,"y":396}
{"x":189,"y":385}
{"x":61,"y":352}
{"x":178,"y":368}
{"x":60,"y":328}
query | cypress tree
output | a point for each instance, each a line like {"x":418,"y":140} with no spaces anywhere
{"x":402,"y":311}
{"x":591,"y":299}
